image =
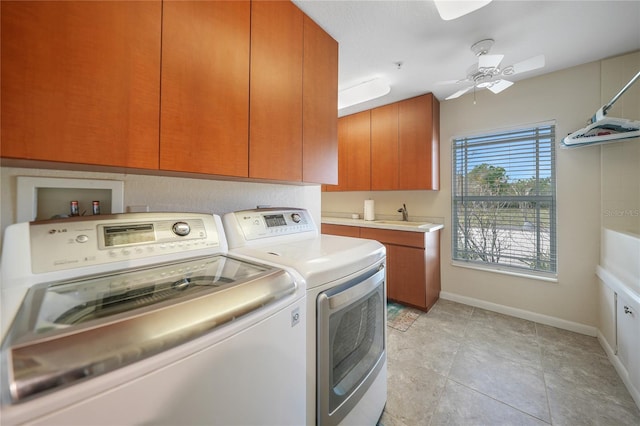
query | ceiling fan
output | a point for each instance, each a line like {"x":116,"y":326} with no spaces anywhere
{"x":487,"y":73}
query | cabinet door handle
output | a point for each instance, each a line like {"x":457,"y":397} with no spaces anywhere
{"x":627,"y":310}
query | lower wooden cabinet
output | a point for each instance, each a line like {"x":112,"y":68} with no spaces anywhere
{"x":413,"y":262}
{"x":341,"y":230}
{"x":406,"y":275}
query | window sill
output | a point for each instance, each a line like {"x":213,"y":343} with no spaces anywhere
{"x":553,"y":278}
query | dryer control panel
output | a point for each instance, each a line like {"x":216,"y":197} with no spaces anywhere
{"x":250,"y":225}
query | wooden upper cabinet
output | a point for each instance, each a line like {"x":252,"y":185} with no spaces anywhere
{"x":343,"y":131}
{"x":81,"y":81}
{"x":419,"y":142}
{"x":359,"y":151}
{"x":275,"y":105}
{"x":233,"y":88}
{"x":354,"y":153}
{"x":403,"y":150}
{"x":320,"y":106}
{"x":205,"y":87}
{"x":384,"y":147}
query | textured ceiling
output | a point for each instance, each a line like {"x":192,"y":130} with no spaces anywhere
{"x":375,"y":35}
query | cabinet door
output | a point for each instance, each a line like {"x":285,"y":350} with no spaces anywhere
{"x":359,"y":151}
{"x":81,"y":81}
{"x":384,"y":147}
{"x":319,"y":108}
{"x":628,"y":337}
{"x":413,"y":262}
{"x":419,"y":122}
{"x":205,"y":87}
{"x":406,"y":275}
{"x":354,"y":144}
{"x":275,"y":105}
{"x":354,"y":153}
{"x":432,"y":268}
{"x":343,"y":133}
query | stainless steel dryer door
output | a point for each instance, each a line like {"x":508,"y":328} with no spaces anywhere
{"x":351,"y":343}
{"x":73,"y":330}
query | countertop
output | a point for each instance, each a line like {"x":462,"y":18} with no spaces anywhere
{"x":384,"y":224}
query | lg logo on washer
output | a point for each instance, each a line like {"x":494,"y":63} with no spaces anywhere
{"x":53,"y":231}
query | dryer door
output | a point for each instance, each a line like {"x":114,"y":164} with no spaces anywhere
{"x":351,"y":343}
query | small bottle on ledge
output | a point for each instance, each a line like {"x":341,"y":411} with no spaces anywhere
{"x":75,"y":210}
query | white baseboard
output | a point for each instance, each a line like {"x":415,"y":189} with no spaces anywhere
{"x":520,"y":313}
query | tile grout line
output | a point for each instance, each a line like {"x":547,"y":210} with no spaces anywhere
{"x":499,"y":401}
{"x":494,"y":398}
{"x":544,"y":375}
{"x":464,"y":341}
{"x":463,"y":336}
{"x":446,"y":377}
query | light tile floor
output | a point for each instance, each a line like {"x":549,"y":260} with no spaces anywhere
{"x":460,"y":365}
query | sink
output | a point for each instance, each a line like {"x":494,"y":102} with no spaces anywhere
{"x":403,"y":223}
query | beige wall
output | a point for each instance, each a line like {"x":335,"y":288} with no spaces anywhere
{"x":620,"y":170}
{"x":621,"y":161}
{"x":569,"y":97}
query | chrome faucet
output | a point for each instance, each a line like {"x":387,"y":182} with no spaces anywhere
{"x":405,"y":213}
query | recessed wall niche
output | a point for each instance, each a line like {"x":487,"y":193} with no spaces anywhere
{"x":42,"y":198}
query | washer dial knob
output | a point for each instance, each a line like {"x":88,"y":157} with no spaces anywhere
{"x":296,"y":217}
{"x":181,"y":228}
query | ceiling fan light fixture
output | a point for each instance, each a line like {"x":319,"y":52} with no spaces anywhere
{"x":508,"y":70}
{"x":363,"y":92}
{"x":453,"y":9}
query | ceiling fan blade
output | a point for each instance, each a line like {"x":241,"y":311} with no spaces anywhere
{"x":489,"y":61}
{"x":459,"y":93}
{"x":499,"y":85}
{"x":529,"y":64}
{"x":449,"y":10}
{"x":449,"y":82}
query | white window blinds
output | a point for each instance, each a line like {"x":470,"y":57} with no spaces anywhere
{"x":504,"y":200}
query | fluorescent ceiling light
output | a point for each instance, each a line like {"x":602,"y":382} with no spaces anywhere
{"x":363,"y":92}
{"x":452,"y":9}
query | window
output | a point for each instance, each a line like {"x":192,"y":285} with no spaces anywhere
{"x":504,"y":200}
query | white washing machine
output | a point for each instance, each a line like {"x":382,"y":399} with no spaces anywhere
{"x":144,"y":319}
{"x":346,"y":295}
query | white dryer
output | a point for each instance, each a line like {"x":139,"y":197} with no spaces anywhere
{"x":346,"y":296}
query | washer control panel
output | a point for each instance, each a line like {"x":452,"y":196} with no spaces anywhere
{"x":272,"y":222}
{"x":85,"y":241}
